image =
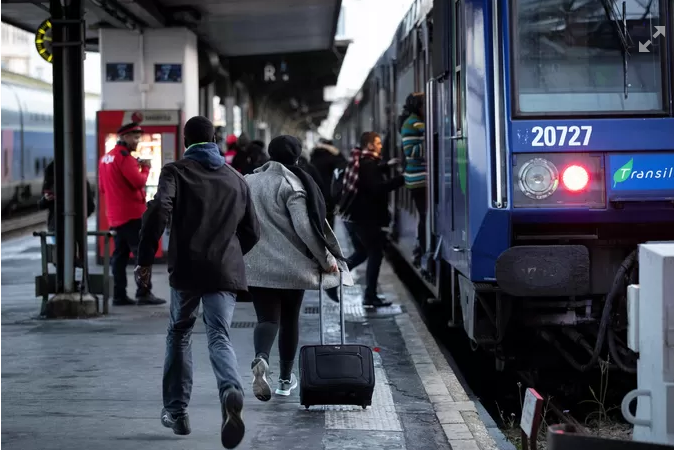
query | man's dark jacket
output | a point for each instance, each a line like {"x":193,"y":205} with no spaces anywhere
{"x":370,"y":205}
{"x":326,"y":158}
{"x":213,"y":223}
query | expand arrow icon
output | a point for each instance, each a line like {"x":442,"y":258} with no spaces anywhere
{"x":659,"y":30}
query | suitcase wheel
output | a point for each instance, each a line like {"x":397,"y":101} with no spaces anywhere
{"x":364,"y":406}
{"x":306,"y":406}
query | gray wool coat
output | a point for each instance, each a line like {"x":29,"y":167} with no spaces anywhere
{"x":280,"y":258}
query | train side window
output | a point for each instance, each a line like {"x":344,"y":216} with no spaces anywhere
{"x":5,"y":162}
{"x":458,"y":44}
{"x":37,"y":166}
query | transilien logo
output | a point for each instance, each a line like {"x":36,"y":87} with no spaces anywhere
{"x":623,"y":173}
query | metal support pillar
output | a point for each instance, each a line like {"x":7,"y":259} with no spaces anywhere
{"x":209,"y":94}
{"x":229,"y":114}
{"x":69,"y":160}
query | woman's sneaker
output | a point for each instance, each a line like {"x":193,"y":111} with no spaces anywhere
{"x":285,"y":386}
{"x":261,"y":387}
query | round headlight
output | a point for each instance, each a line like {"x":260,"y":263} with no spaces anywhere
{"x":538,"y":178}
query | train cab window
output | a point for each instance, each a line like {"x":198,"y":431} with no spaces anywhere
{"x":604,"y":57}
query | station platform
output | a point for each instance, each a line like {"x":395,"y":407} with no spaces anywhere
{"x":96,"y":383}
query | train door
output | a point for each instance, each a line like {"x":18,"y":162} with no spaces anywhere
{"x":431,"y":145}
{"x":458,"y":137}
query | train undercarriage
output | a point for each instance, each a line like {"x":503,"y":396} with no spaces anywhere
{"x":582,"y":331}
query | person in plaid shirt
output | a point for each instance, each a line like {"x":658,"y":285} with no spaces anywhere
{"x":364,"y":207}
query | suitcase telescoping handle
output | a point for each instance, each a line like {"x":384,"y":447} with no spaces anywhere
{"x":342,"y":330}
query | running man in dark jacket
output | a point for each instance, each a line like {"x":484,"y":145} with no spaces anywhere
{"x":213,"y":225}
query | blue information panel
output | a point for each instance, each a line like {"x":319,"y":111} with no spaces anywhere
{"x":641,"y":172}
{"x":590,"y":135}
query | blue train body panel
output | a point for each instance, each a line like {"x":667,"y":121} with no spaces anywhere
{"x":474,"y":234}
{"x":474,"y":231}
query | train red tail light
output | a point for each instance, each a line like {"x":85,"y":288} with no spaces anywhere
{"x":575,"y":178}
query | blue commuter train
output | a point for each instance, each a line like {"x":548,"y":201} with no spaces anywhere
{"x":28,"y":138}
{"x":550,"y":152}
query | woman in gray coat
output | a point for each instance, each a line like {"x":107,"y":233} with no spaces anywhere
{"x":296,"y":246}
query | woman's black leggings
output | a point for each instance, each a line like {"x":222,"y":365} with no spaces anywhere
{"x":277,"y":308}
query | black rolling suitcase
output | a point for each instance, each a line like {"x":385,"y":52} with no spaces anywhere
{"x":336,"y":374}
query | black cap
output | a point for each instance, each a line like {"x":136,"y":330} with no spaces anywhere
{"x":285,"y":149}
{"x":132,"y":127}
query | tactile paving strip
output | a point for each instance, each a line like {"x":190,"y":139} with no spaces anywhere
{"x":381,"y":416}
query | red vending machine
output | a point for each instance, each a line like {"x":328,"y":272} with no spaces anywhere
{"x":161,"y":143}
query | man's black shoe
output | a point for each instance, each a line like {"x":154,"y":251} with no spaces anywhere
{"x":149,"y":299}
{"x":333,"y":294}
{"x":377,"y":302}
{"x":179,"y":424}
{"x":232,"y":429}
{"x":123,"y":301}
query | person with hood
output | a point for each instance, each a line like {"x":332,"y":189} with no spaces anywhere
{"x":412,"y":132}
{"x":296,"y":247}
{"x":325,"y":157}
{"x":213,"y":226}
{"x":250,"y":158}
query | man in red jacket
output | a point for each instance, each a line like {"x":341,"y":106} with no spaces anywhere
{"x":122,"y":181}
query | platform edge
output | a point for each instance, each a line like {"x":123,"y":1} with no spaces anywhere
{"x":450,"y":401}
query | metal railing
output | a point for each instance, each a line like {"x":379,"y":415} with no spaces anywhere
{"x":45,"y":283}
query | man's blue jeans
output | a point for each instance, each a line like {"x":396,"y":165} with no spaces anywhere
{"x":218,"y":312}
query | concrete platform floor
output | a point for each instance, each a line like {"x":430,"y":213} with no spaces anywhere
{"x":96,"y":383}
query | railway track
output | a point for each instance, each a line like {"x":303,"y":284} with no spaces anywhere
{"x":23,"y":223}
{"x":501,"y":393}
{"x":553,"y":413}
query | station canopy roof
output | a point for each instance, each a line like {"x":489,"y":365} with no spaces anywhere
{"x":230,"y":27}
{"x":247,"y":35}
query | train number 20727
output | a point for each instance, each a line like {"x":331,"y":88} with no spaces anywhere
{"x":557,"y":136}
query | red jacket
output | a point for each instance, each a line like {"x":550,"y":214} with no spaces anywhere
{"x":122,"y":183}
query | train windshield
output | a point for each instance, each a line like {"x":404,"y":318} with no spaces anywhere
{"x":591,"y":57}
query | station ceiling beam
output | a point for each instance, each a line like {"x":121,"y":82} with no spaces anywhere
{"x":230,"y":27}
